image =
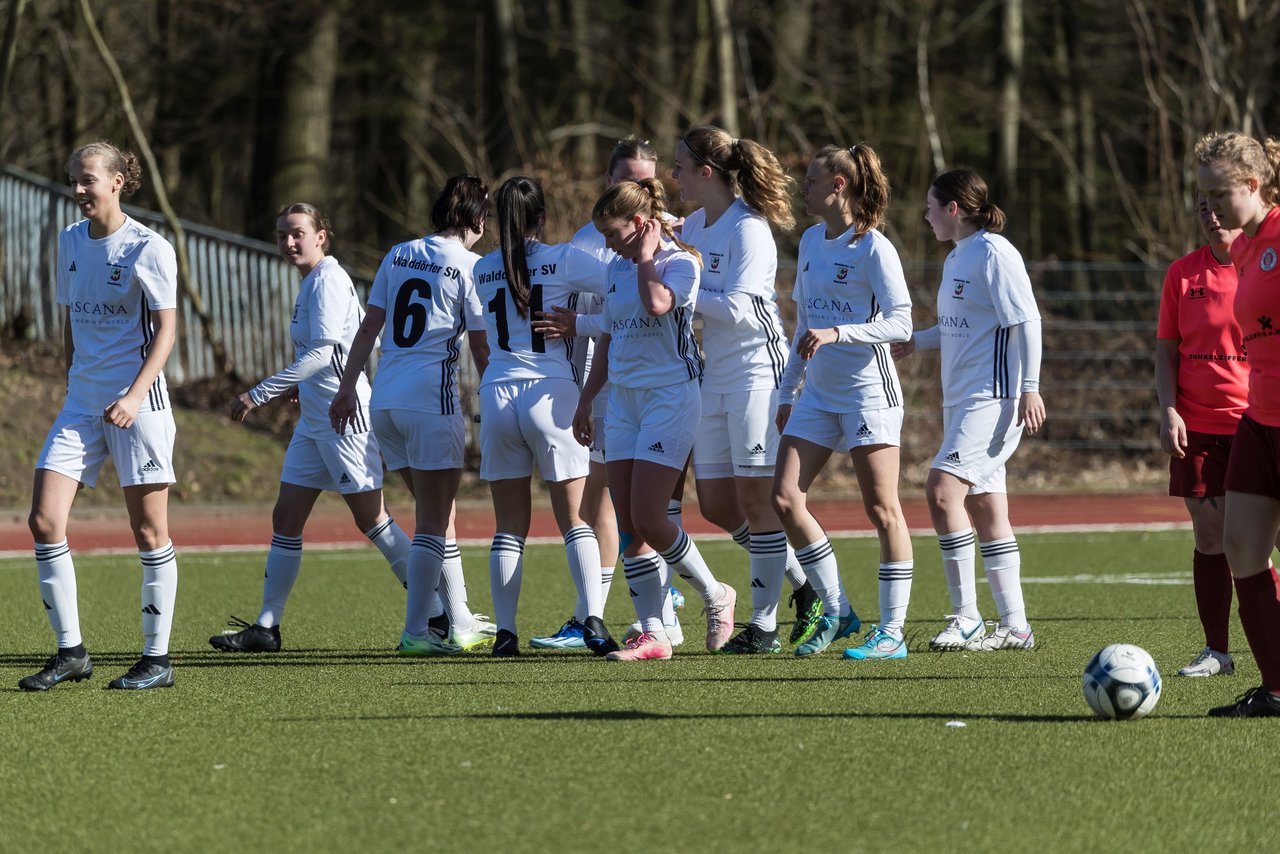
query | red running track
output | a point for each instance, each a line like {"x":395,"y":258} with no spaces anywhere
{"x":330,"y":523}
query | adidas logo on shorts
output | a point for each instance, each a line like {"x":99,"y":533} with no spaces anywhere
{"x":656,"y":447}
{"x":954,"y":457}
{"x":344,"y":478}
{"x":150,"y":468}
{"x":864,"y":431}
{"x":758,"y":449}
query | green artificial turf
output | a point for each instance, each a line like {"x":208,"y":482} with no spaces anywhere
{"x":337,"y":744}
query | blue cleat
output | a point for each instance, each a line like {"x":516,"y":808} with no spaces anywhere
{"x":823,"y":634}
{"x":570,"y":636}
{"x":877,"y":646}
{"x":849,"y":624}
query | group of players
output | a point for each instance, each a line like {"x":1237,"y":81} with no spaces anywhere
{"x":591,"y":372}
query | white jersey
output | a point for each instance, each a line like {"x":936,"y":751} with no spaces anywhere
{"x":427,"y":290}
{"x":110,"y":287}
{"x":326,"y":316}
{"x":590,"y":241}
{"x":647,"y":351}
{"x":557,"y":273}
{"x":985,"y":290}
{"x":842,"y":285}
{"x":741,"y":328}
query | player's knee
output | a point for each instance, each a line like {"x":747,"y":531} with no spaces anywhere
{"x":148,"y":535}
{"x":786,"y":501}
{"x":886,"y":517}
{"x":44,"y":528}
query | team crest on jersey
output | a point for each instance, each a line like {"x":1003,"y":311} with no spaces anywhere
{"x":714,"y":266}
{"x":958,"y":290}
{"x":117,"y":273}
{"x":842,"y":272}
{"x":1268,"y":262}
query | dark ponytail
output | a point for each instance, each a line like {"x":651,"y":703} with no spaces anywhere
{"x":967,"y":189}
{"x":521,"y":209}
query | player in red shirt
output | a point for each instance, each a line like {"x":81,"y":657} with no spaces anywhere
{"x":1202,"y":380}
{"x":1240,"y":180}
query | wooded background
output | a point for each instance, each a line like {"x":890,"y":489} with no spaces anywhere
{"x":1082,"y":113}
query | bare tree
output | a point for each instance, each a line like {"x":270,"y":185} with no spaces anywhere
{"x":306,"y":122}
{"x":728,"y":89}
{"x":1009,"y":72}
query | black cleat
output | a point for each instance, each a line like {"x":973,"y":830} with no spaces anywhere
{"x":60,"y":668}
{"x":439,"y":626}
{"x":808,"y":610}
{"x":597,"y":637}
{"x":752,"y":640}
{"x":251,"y":638}
{"x":147,"y":673}
{"x":506,"y":645}
{"x":1255,"y":703}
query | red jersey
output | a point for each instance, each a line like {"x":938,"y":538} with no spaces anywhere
{"x":1196,"y":310}
{"x":1258,"y":313}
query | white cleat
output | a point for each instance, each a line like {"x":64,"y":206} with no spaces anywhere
{"x":1007,"y":637}
{"x":1210,"y":662}
{"x":960,"y":633}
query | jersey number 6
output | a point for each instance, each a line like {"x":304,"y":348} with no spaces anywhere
{"x":409,"y":312}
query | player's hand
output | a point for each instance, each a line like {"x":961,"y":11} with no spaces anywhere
{"x":649,"y":237}
{"x":1173,"y":434}
{"x":782,"y":416}
{"x":1031,"y":412}
{"x":558,"y":323}
{"x":122,"y":413}
{"x":343,"y":410}
{"x":813,"y":339}
{"x":241,"y":406}
{"x":902,"y":349}
{"x":583,"y":424}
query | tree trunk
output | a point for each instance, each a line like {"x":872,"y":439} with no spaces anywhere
{"x":584,"y":79}
{"x":9,"y":51}
{"x":926,"y":98}
{"x":728,"y":90}
{"x":1009,"y":67}
{"x":512,"y":146}
{"x":662,"y":112}
{"x":306,"y":123}
{"x":699,"y":60}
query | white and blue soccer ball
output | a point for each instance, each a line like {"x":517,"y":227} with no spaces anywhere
{"x":1121,"y":682}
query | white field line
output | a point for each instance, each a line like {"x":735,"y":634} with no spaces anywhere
{"x":314,"y":545}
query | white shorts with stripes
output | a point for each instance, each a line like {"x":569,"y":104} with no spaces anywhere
{"x":653,"y":424}
{"x":979,"y":437}
{"x":844,"y":431}
{"x":528,"y":421}
{"x":78,"y":444}
{"x":419,"y":440}
{"x":737,"y":436}
{"x":343,"y":464}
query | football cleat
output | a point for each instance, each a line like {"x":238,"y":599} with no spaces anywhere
{"x":1210,"y":662}
{"x":145,"y":674}
{"x":752,"y":640}
{"x":425,"y":647}
{"x":646,"y":647}
{"x":1255,"y":703}
{"x":673,"y":630}
{"x":481,"y":632}
{"x":251,"y":638}
{"x":878,"y":646}
{"x":1006,"y":637}
{"x":808,"y":610}
{"x":60,"y":668}
{"x":823,"y":635}
{"x":849,"y":623}
{"x":597,"y":637}
{"x":506,"y":645}
{"x":568,"y":637}
{"x":955,"y":636}
{"x":720,"y":618}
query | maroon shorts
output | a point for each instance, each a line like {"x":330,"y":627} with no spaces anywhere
{"x":1255,"y":460}
{"x":1202,"y":473}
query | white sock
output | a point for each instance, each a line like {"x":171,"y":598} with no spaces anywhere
{"x":394,"y":543}
{"x":957,"y":566}
{"x":768,"y":566}
{"x":606,"y":584}
{"x":795,"y":573}
{"x":742,"y":536}
{"x":426,"y":560}
{"x":58,"y":591}
{"x":819,"y":562}
{"x":675,"y":512}
{"x":668,"y":606}
{"x":895,"y":593}
{"x":159,"y":591}
{"x":683,"y":556}
{"x":1003,"y":564}
{"x":645,"y":580}
{"x":506,"y":569}
{"x":453,"y":590}
{"x":583,"y":553}
{"x":284,"y":559}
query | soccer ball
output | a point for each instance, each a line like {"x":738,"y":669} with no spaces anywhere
{"x":1121,"y":682}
